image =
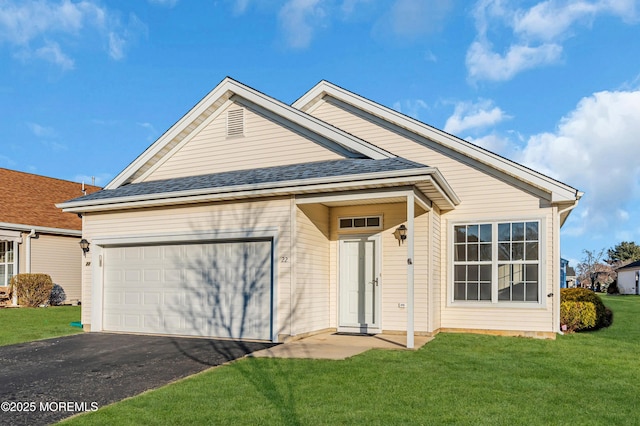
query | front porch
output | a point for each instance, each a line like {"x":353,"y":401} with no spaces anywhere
{"x":379,"y":278}
{"x":331,"y":345}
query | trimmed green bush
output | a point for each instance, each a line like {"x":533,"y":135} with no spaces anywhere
{"x":603,"y":315}
{"x":577,"y":315}
{"x":32,"y":289}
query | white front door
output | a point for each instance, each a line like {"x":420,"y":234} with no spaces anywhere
{"x":359,"y":285}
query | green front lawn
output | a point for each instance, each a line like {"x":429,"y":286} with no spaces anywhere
{"x":587,"y":378}
{"x":26,"y":324}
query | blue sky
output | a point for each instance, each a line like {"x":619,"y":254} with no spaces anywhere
{"x":86,"y":86}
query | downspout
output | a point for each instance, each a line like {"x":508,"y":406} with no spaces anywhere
{"x":27,"y":249}
{"x":27,"y":260}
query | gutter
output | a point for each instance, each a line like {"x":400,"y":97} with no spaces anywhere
{"x":27,"y":249}
{"x":41,"y":229}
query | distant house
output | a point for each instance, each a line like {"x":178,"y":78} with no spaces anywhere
{"x":37,"y":237}
{"x":567,"y":274}
{"x":254,"y":219}
{"x":628,"y":278}
{"x":563,"y":272}
{"x":570,"y":277}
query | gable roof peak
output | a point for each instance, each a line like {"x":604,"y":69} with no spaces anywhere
{"x":559,"y":191}
{"x":232,"y":90}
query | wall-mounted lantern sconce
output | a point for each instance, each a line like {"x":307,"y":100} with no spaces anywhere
{"x":401,"y":234}
{"x":84,"y":245}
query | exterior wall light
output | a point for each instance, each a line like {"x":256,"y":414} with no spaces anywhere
{"x":401,"y":233}
{"x":84,"y":245}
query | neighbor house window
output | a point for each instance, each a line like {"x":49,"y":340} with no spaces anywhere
{"x":497,"y":262}
{"x":352,"y":223}
{"x":7,"y":262}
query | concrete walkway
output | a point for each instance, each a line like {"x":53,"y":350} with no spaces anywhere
{"x":338,"y":346}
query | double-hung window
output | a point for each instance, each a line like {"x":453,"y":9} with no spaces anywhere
{"x":497,"y":262}
{"x":7,"y":262}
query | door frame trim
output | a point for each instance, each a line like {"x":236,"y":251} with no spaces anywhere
{"x":378,"y":267}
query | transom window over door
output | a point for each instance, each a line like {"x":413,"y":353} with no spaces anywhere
{"x":497,"y":262}
{"x":7,"y":266}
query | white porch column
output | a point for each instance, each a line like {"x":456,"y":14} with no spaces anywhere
{"x":410,"y":246}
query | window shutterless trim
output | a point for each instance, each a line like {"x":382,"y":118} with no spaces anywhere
{"x":541,"y":263}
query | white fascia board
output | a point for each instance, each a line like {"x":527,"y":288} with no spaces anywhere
{"x":43,"y":229}
{"x":559,"y":191}
{"x":330,"y":184}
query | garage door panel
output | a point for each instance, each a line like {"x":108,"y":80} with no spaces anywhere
{"x":215,"y":289}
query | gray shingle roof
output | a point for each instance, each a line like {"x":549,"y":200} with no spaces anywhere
{"x":632,"y":265}
{"x":295,"y":172}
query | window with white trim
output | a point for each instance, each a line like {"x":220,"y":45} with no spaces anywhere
{"x":7,"y":262}
{"x":497,"y":262}
{"x":366,"y":222}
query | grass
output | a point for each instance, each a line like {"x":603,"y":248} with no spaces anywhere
{"x":585,"y":378}
{"x":26,"y":324}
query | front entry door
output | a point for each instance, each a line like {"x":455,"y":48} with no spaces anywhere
{"x":359,"y":285}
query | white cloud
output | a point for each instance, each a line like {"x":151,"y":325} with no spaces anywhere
{"x":40,"y":29}
{"x":299,"y":19}
{"x":551,"y":19}
{"x":41,"y":131}
{"x":595,"y":149}
{"x":485,"y":64}
{"x":151,"y":131}
{"x":497,"y":144}
{"x":51,"y":52}
{"x":412,"y":108}
{"x":469,"y":115}
{"x":116,"y":46}
{"x":535,"y":34}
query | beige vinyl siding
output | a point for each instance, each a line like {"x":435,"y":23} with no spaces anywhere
{"x":393,"y":268}
{"x":484,"y":196}
{"x":311,"y":298}
{"x":481,"y":193}
{"x":87,"y":276}
{"x":264,"y":144}
{"x":60,"y":257}
{"x":221,"y":218}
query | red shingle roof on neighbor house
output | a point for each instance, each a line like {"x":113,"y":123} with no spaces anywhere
{"x":28,"y":199}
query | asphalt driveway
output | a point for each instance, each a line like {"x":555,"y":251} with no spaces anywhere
{"x":45,"y":381}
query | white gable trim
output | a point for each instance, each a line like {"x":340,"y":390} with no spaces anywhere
{"x":224,"y":91}
{"x":559,"y":191}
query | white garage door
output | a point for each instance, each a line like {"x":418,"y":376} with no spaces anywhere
{"x":213,"y":289}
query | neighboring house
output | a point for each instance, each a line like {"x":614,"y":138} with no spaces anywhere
{"x":251,"y":218}
{"x":628,"y":278}
{"x":37,"y":237}
{"x":563,"y":272}
{"x":571,"y":277}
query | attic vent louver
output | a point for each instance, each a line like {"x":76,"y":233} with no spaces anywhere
{"x":235,"y":122}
